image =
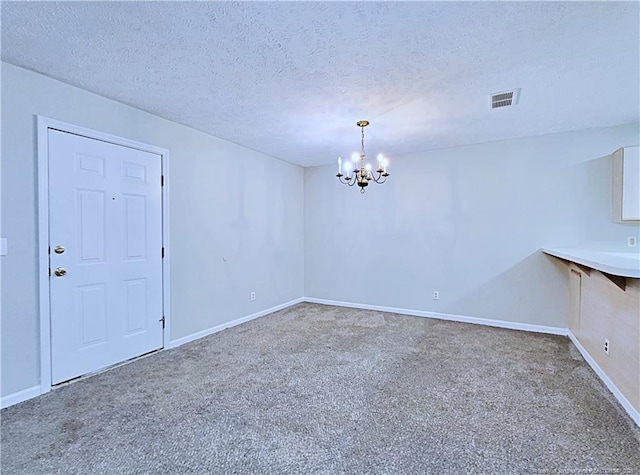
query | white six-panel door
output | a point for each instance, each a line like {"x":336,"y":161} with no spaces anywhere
{"x":105,"y":235}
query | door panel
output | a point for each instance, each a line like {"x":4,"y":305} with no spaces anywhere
{"x":136,"y":305}
{"x":135,"y":229}
{"x":105,"y":208}
{"x":93,"y":318}
{"x":91,"y":225}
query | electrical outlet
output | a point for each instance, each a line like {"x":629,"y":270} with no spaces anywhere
{"x":253,"y":295}
{"x":607,"y":346}
{"x":632,"y":241}
{"x":436,"y":295}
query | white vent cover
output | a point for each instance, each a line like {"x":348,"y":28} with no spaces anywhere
{"x":505,"y":98}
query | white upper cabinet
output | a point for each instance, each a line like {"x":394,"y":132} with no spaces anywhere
{"x":626,"y":184}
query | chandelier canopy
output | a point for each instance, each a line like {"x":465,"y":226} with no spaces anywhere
{"x":362,"y":171}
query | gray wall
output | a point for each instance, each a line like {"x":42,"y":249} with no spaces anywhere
{"x":468,"y":222}
{"x":226,"y":202}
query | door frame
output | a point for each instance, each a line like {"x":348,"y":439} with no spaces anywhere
{"x":43,"y":126}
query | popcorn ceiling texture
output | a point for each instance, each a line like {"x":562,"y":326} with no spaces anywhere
{"x":290,"y":79}
{"x":319,"y":389}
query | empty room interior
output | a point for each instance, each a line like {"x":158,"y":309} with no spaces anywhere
{"x":320,"y":237}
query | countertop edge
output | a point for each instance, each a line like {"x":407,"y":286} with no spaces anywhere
{"x":594,"y":264}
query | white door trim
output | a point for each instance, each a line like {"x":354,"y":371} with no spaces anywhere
{"x":44,"y":124}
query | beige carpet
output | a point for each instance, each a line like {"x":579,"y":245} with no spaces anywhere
{"x":318,"y":389}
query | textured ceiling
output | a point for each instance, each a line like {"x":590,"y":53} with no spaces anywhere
{"x":291,"y":79}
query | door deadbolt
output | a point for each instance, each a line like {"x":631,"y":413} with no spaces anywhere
{"x":60,"y":272}
{"x":59,"y":249}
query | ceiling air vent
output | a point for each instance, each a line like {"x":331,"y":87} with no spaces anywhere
{"x":505,"y":99}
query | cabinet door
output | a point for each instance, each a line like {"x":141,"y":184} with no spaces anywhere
{"x":626,"y":184}
{"x":631,"y":184}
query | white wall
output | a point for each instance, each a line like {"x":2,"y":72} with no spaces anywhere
{"x":468,"y":222}
{"x":226,"y":202}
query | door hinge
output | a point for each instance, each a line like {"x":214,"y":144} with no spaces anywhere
{"x":49,"y":249}
{"x":49,"y":271}
{"x":163,"y":252}
{"x":162,"y":320}
{"x":161,"y":180}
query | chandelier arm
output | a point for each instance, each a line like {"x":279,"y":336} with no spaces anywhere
{"x":345,"y":181}
{"x":378,"y":179}
{"x":350,"y":181}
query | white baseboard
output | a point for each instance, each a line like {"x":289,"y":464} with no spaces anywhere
{"x":445,"y":316}
{"x":15,"y":398}
{"x":233,"y":323}
{"x":635,"y":415}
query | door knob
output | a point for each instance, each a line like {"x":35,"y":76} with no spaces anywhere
{"x":60,"y":272}
{"x":59,"y":249}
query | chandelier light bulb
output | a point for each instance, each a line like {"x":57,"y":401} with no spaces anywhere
{"x":347,"y":168}
{"x":355,"y":157}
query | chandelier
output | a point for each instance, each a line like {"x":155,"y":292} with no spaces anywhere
{"x":362,"y":174}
